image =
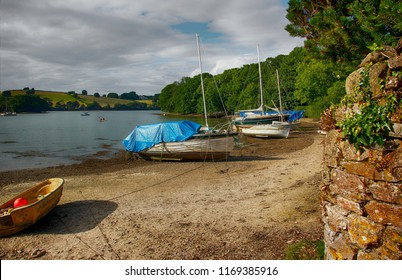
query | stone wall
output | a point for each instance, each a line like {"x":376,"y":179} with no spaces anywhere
{"x":361,"y":192}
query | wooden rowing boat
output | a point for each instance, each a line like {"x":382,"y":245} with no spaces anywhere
{"x":40,"y":199}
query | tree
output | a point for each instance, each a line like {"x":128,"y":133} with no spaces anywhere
{"x":132,"y":95}
{"x":96,"y":94}
{"x":94,"y":106}
{"x":30,"y":91}
{"x":320,"y":84}
{"x":6,"y":93}
{"x":112,"y":95}
{"x":73,"y":105}
{"x":84,"y":92}
{"x":29,"y":103}
{"x":165,"y":99}
{"x":343,"y":29}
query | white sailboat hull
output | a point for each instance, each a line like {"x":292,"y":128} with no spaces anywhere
{"x":267,"y":131}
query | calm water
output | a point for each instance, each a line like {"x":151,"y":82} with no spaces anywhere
{"x":54,"y":138}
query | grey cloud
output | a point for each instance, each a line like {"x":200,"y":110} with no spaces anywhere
{"x":124,"y":45}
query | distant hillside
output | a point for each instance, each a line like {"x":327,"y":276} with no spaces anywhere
{"x":73,"y":101}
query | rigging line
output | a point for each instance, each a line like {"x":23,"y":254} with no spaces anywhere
{"x":202,"y":80}
{"x":215,"y":83}
{"x":156,"y":184}
{"x":220,"y":96}
{"x":226,"y":170}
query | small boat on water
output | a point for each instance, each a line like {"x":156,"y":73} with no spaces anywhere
{"x":8,"y":114}
{"x":85,"y":114}
{"x":30,"y":206}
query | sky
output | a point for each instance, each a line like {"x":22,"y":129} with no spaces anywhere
{"x":133,"y":45}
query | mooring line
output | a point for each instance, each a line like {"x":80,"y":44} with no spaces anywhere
{"x":156,"y":184}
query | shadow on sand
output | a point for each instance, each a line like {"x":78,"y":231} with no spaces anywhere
{"x":73,"y":217}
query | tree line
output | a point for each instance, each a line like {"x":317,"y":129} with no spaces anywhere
{"x":338,"y":35}
{"x":30,"y":102}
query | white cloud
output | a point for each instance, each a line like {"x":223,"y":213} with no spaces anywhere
{"x":122,"y":45}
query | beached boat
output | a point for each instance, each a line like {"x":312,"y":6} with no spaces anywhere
{"x":181,"y":140}
{"x":30,"y":206}
{"x":277,"y":128}
{"x":267,"y":131}
{"x":250,"y":117}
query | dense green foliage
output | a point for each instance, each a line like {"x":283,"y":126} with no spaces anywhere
{"x":25,"y":103}
{"x":372,"y":126}
{"x":342,"y":30}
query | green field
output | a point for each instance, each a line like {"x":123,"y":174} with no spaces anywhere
{"x":56,"y":96}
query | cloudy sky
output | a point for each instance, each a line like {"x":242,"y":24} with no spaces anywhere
{"x":133,"y":45}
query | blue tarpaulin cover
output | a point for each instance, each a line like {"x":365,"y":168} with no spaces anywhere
{"x":294,"y":115}
{"x":146,"y":136}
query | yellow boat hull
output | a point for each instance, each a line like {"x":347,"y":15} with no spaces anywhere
{"x":42,"y":198}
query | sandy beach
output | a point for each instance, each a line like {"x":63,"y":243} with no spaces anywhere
{"x":253,"y":206}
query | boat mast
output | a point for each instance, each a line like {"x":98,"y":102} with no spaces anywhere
{"x":202,"y":81}
{"x":280,"y":97}
{"x":259,"y":71}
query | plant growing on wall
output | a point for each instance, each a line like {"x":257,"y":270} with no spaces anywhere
{"x":371,"y":124}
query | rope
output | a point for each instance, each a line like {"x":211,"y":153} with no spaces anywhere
{"x":154,"y":185}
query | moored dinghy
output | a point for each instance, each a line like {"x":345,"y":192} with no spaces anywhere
{"x":39,"y":201}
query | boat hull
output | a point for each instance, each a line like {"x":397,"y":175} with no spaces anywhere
{"x":195,"y":149}
{"x":251,"y":121}
{"x":267,"y":131}
{"x":42,"y":198}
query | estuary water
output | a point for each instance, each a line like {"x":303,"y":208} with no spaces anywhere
{"x":56,"y":138}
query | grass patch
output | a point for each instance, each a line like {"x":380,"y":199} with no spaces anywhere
{"x":305,"y":250}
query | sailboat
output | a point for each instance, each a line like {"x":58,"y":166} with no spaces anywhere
{"x":276,"y":129}
{"x":248,"y":118}
{"x":7,"y":113}
{"x":181,"y":141}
